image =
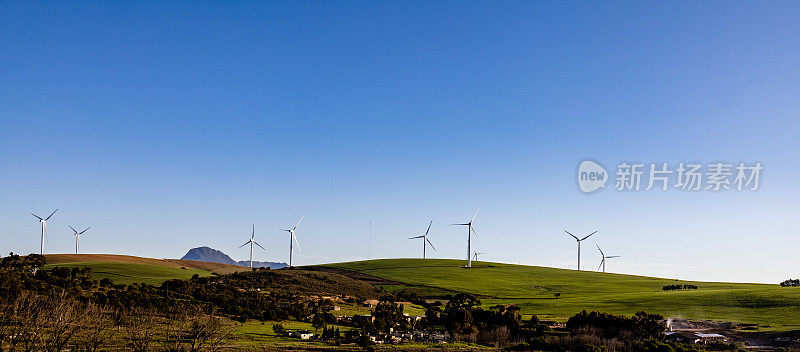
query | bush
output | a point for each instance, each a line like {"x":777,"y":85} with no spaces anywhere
{"x":278,"y":329}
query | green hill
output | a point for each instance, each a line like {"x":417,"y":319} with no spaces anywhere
{"x":534,"y":289}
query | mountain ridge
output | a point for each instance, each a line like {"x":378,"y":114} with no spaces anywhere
{"x":208,"y":254}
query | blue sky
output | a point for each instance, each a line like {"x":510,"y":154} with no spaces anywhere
{"x":169,"y":125}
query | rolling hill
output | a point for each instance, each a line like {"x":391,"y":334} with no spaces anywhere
{"x":534,"y":289}
{"x":129,"y":269}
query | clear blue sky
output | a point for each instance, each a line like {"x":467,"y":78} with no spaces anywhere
{"x":170,"y":125}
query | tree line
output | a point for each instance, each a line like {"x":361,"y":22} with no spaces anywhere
{"x":677,"y":287}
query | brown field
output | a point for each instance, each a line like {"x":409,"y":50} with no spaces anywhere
{"x":169,"y":263}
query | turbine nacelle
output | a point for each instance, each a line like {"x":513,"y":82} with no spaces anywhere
{"x":604,"y":256}
{"x":44,"y":227}
{"x":579,"y":240}
{"x":293,"y":239}
{"x":470,"y":231}
{"x":425,"y":240}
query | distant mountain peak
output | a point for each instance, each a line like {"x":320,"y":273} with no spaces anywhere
{"x":208,"y":254}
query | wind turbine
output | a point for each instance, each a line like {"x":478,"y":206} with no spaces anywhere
{"x":476,"y":255}
{"x":425,"y":240}
{"x":579,"y":245}
{"x":44,"y":227}
{"x":252,"y":242}
{"x":603,"y":262}
{"x":78,"y":237}
{"x":470,"y":231}
{"x":293,"y":240}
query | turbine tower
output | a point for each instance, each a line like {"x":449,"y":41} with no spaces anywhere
{"x":579,"y":245}
{"x":78,"y":237}
{"x":44,"y":228}
{"x":470,"y":231}
{"x":293,"y":240}
{"x":252,"y":242}
{"x":425,"y":240}
{"x":476,"y":255}
{"x":603,"y":262}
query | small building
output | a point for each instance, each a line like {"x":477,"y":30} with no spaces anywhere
{"x":694,"y":337}
{"x":302,"y":334}
{"x":710,"y":338}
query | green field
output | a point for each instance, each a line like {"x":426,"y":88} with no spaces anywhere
{"x":128,"y":273}
{"x":534,"y":290}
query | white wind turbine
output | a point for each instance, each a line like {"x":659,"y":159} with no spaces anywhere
{"x":603,"y":262}
{"x":476,"y":255}
{"x":425,"y":240}
{"x":252,"y":242}
{"x":579,"y":245}
{"x":44,"y":228}
{"x":470,"y":231}
{"x":293,"y":240}
{"x":78,"y":237}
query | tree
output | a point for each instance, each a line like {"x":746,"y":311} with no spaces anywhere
{"x":462,"y":301}
{"x":176,"y":330}
{"x":388,"y":315}
{"x":97,"y":327}
{"x":321,"y":315}
{"x":208,"y":330}
{"x":139,"y":325}
{"x":219,"y":333}
{"x":458,"y":314}
{"x":63,"y":318}
{"x":26,"y":322}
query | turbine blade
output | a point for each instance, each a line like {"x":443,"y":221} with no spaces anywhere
{"x":473,"y":230}
{"x":298,"y":223}
{"x":429,"y":228}
{"x":51,"y":214}
{"x":294,"y":237}
{"x":87,"y":229}
{"x":244,"y":244}
{"x":37,"y":216}
{"x":458,"y":225}
{"x":476,"y":213}
{"x":262,"y":247}
{"x":429,"y":242}
{"x":588,"y":236}
{"x":601,"y":264}
{"x":573,"y":236}
{"x":73,"y":229}
{"x":601,"y":251}
{"x":413,"y":238}
{"x":612,"y":256}
{"x":253,"y":234}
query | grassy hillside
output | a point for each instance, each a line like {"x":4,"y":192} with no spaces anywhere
{"x":534,"y":289}
{"x":129,"y":269}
